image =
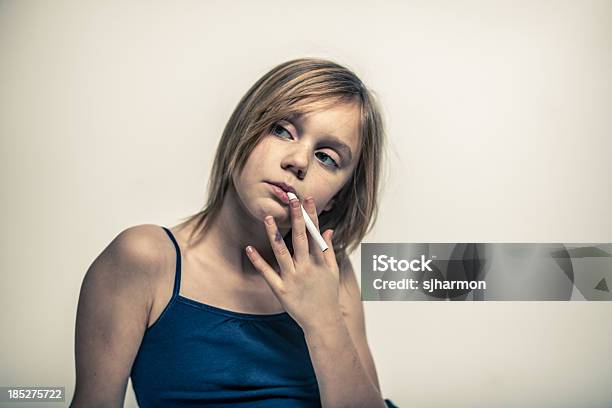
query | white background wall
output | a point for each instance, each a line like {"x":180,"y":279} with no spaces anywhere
{"x":500,"y":127}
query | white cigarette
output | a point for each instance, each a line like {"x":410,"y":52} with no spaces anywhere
{"x":314,"y":232}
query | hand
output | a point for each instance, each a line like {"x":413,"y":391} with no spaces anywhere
{"x":308,"y":283}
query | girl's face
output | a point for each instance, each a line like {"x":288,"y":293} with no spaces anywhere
{"x":315,"y":153}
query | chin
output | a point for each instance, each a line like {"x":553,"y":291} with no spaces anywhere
{"x":271,"y":206}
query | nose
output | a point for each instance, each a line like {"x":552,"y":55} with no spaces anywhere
{"x":297,"y":160}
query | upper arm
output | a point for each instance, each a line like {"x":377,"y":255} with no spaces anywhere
{"x":352,"y":311}
{"x":114,"y":302}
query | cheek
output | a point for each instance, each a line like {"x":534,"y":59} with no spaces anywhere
{"x":327,"y":189}
{"x":253,"y":165}
{"x":259,"y":157}
{"x":323,"y":196}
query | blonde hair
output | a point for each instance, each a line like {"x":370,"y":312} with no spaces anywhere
{"x":297,"y":87}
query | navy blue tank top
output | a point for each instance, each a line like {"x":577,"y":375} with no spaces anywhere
{"x":196,"y":354}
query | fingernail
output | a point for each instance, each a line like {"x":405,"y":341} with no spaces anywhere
{"x":269,"y":220}
{"x":295,"y":203}
{"x":249,"y":249}
{"x":309,"y":200}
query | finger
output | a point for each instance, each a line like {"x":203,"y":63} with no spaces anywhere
{"x":298,"y":231}
{"x":329,"y":255}
{"x":274,"y":280}
{"x":311,"y":209}
{"x":281,"y":252}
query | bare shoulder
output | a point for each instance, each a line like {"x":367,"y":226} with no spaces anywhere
{"x":116,"y":296}
{"x":144,"y":245}
{"x":135,"y":259}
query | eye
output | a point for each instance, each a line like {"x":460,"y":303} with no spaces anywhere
{"x":327,"y":156}
{"x":278,"y":130}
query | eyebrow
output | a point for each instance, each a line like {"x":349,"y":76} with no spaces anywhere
{"x":330,"y":139}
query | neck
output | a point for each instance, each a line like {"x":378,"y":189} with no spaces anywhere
{"x":228,"y":235}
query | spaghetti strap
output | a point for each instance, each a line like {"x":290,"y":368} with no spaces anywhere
{"x":250,"y":360}
{"x":177,"y":275}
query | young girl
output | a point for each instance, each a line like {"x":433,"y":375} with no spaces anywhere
{"x":237,"y":305}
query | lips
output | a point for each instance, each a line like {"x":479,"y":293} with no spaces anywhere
{"x":280,"y":190}
{"x":285,"y":187}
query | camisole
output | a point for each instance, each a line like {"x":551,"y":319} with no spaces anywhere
{"x":201,"y":355}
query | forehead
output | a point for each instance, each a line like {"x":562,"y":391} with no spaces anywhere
{"x":340,"y":120}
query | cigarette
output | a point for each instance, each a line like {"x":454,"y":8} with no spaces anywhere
{"x":314,"y":232}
